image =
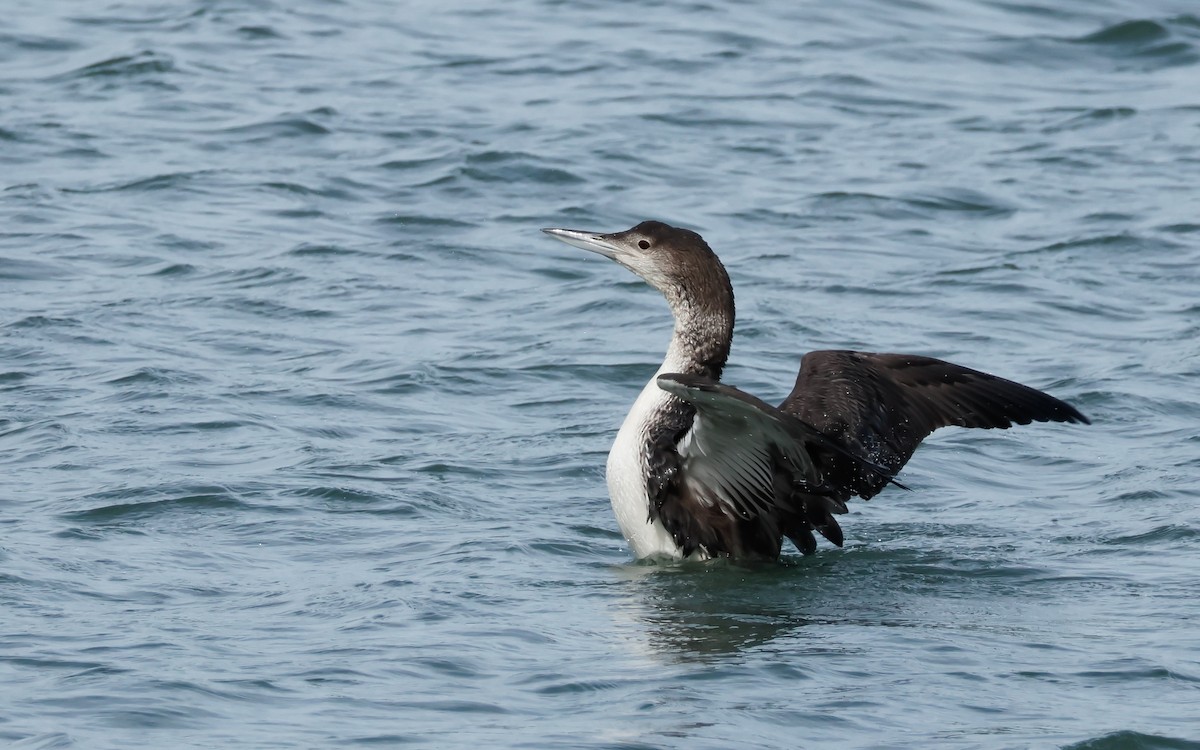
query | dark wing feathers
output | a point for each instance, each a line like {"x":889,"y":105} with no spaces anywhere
{"x":744,"y":471}
{"x":750,"y":472}
{"x":884,"y":405}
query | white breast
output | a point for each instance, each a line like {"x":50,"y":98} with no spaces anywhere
{"x":627,"y":471}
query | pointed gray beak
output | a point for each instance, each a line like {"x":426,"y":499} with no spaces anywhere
{"x":586,"y":240}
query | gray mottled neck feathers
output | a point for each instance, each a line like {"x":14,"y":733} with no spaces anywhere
{"x":704,"y":318}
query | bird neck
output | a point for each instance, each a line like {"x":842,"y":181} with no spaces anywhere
{"x":703,"y":333}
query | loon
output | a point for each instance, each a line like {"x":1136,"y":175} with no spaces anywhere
{"x":700,"y":469}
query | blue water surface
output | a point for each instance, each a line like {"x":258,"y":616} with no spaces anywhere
{"x":303,"y":422}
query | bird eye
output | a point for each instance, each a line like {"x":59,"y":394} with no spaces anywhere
{"x":643,"y":244}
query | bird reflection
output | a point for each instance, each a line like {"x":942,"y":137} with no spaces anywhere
{"x":703,"y":610}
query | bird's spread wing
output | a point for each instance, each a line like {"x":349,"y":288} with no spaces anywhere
{"x":881,"y":406}
{"x":748,"y":456}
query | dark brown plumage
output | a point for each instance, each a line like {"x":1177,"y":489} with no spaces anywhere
{"x":721,"y":473}
{"x":881,"y":406}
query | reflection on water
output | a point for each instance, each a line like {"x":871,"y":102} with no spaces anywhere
{"x":698,"y":610}
{"x":702,"y":610}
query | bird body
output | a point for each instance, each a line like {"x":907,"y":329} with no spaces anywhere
{"x":700,"y":469}
{"x":628,"y":468}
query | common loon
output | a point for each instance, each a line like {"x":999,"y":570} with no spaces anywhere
{"x":700,"y":469}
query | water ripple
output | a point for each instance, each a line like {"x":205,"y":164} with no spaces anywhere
{"x":1131,"y":740}
{"x":305,"y":423}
